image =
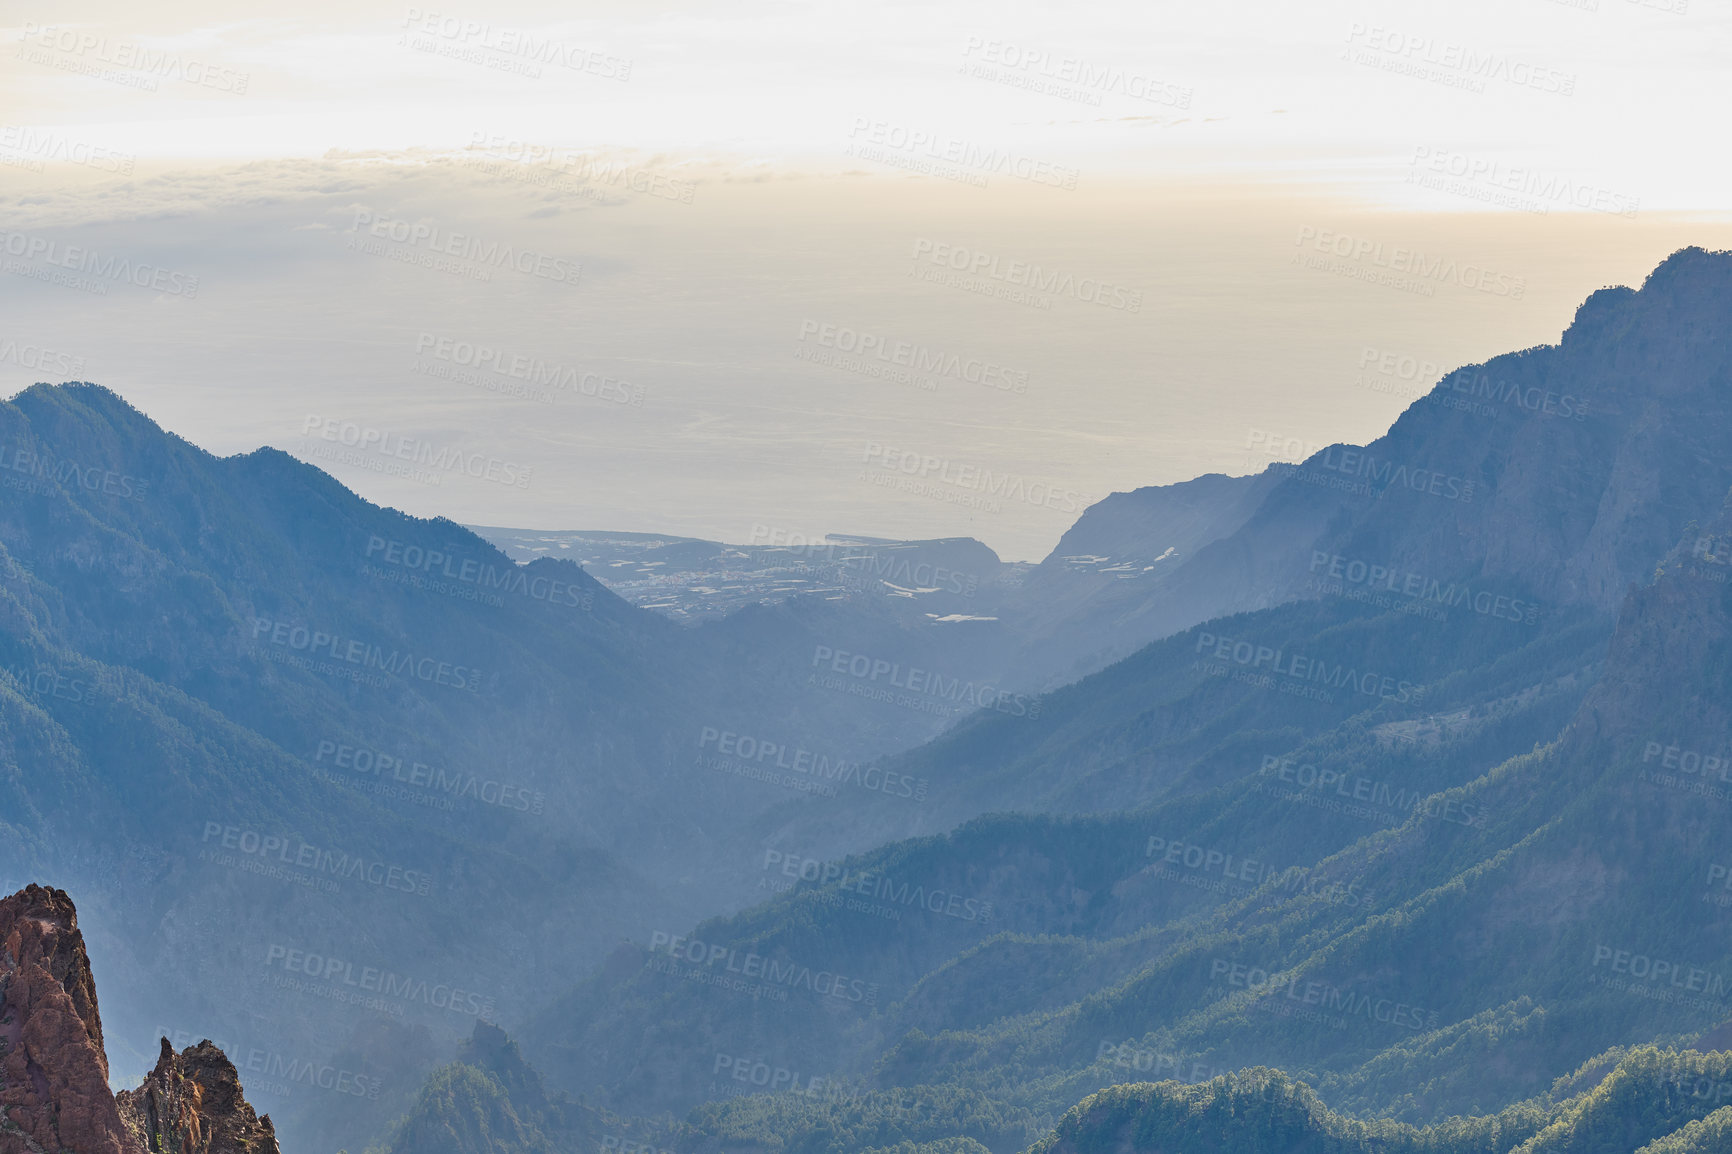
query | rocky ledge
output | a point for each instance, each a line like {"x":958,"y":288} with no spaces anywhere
{"x":54,"y":1093}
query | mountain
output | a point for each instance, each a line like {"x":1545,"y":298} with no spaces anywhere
{"x":1051,"y":622}
{"x":1074,"y":609}
{"x":269,"y":728}
{"x":1553,"y":475}
{"x":1205,"y":934}
{"x":54,"y":1071}
{"x":489,"y":1101}
{"x":1650,"y":1102}
{"x":1431,"y":825}
{"x":1407,"y":787}
{"x":1558,"y":473}
{"x":1561,"y":474}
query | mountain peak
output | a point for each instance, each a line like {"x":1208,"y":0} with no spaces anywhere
{"x":54,"y":1071}
{"x":1691,"y":263}
{"x":192,"y":1101}
{"x":99,"y":399}
{"x":1689,"y":288}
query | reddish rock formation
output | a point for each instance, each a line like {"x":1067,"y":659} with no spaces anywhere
{"x":192,"y":1104}
{"x":54,"y":1093}
{"x":53,"y":1072}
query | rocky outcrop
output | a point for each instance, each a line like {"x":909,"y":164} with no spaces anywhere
{"x":192,"y":1104}
{"x":54,"y":1094}
{"x":53,"y":1073}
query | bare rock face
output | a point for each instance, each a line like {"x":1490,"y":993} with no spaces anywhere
{"x":192,"y":1104}
{"x":54,"y":1095}
{"x":53,"y":1070}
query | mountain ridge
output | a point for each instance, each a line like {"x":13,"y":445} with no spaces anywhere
{"x":1529,"y":763}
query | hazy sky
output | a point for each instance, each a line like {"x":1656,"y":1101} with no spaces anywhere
{"x":602,"y":255}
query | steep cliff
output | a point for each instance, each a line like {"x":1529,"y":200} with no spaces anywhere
{"x":53,"y":1071}
{"x":54,"y":1093}
{"x":192,"y":1104}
